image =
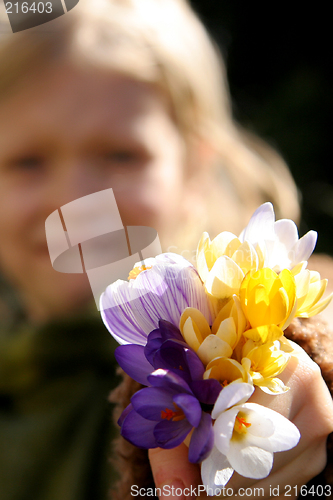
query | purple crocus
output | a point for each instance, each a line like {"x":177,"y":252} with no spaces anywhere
{"x":132,"y":309}
{"x":139,"y":361}
{"x":166,"y":349}
{"x":178,"y":399}
{"x":163,"y":415}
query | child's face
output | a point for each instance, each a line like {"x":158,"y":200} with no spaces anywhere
{"x":68,"y":133}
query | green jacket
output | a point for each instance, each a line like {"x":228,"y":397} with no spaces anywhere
{"x":55,"y":421}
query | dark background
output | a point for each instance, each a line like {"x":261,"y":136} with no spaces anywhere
{"x":279,"y":66}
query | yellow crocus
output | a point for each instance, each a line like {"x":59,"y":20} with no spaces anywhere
{"x":218,"y":341}
{"x":260,"y":367}
{"x":222,"y":265}
{"x":268,"y":298}
{"x":209,"y":251}
{"x":309,"y":292}
{"x":226,"y":371}
{"x":197,"y":334}
{"x":263,"y":334}
{"x":264,"y":363}
{"x":230,"y":322}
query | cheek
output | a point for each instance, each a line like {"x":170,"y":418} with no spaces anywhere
{"x":20,"y":228}
{"x":12,"y":242}
{"x":18,"y":210}
{"x":151,"y":198}
{"x":12,"y":218}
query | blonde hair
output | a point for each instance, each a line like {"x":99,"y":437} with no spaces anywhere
{"x":163,"y":42}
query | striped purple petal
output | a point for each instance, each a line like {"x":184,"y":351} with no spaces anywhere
{"x":131,"y":310}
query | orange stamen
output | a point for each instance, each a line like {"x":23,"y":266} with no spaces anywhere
{"x":242,"y":422}
{"x":172,"y":415}
{"x":136,"y":271}
{"x":167,"y":414}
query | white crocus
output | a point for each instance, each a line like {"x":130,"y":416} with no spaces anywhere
{"x":278,"y":240}
{"x":245,"y":437}
{"x":223,"y":262}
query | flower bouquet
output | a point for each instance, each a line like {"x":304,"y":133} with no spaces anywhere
{"x":201,"y":340}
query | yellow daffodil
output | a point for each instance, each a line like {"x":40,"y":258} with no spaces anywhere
{"x":268,"y":298}
{"x":309,"y":292}
{"x":218,"y":341}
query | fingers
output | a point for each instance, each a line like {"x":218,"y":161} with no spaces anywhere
{"x":308,"y":404}
{"x":172,"y":471}
{"x":289,"y":475}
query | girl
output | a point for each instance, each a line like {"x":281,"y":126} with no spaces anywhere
{"x":128,"y":94}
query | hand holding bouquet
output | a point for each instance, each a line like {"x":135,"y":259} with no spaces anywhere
{"x":202,"y":339}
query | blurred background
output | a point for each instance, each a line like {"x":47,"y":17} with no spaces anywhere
{"x":279,"y":66}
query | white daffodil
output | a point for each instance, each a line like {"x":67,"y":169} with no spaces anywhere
{"x":245,"y":437}
{"x":279,"y":241}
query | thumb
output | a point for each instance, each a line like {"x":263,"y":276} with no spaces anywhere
{"x":174,"y":476}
